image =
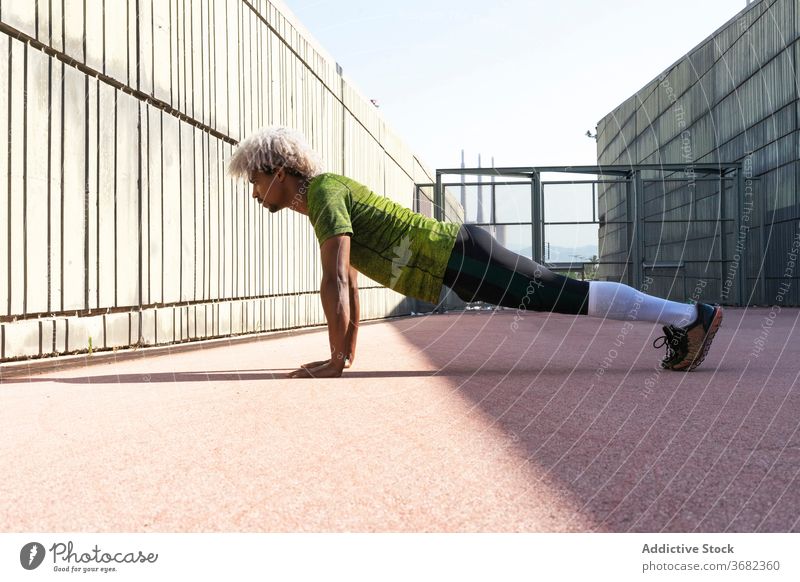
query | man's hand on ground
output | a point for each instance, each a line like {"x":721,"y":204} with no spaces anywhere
{"x":347,"y":363}
{"x":327,"y":369}
{"x":315,"y":364}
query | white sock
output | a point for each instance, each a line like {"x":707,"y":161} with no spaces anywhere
{"x":619,"y":301}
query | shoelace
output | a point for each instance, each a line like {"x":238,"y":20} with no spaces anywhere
{"x":671,"y":339}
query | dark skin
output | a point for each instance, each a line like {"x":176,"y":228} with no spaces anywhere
{"x":339,"y":287}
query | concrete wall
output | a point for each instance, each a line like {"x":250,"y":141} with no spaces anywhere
{"x":117,"y":223}
{"x":733,"y":98}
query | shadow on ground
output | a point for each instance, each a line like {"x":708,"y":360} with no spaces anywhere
{"x":635,"y":447}
{"x":211,"y":376}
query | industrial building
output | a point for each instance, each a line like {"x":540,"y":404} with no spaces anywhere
{"x":724,"y":228}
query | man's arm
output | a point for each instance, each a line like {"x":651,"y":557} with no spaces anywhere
{"x":352,"y":330}
{"x":335,"y":294}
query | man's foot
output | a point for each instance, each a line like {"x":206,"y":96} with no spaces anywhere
{"x":674,"y":339}
{"x":699,"y":336}
{"x":687,"y":347}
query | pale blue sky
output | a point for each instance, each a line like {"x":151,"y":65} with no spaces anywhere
{"x":520,"y":81}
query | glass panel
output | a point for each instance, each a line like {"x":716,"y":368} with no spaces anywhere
{"x":567,"y":202}
{"x":513,"y":203}
{"x":570,"y":243}
{"x":515,"y":238}
{"x":477,"y":202}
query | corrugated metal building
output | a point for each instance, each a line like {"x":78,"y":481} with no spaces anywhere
{"x":118,"y":225}
{"x":733,"y":98}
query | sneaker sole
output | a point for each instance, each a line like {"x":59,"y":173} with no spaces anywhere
{"x":701,"y":354}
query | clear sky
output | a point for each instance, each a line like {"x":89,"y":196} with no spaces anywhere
{"x":518,"y":80}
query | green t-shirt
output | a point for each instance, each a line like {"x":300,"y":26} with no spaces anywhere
{"x":398,"y":248}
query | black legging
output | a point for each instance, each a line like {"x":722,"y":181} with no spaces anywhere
{"x":480,"y":269}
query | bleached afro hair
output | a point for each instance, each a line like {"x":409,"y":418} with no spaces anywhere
{"x":275,"y":147}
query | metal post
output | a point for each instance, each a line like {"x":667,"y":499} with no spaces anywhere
{"x":540,"y":226}
{"x":533,"y":216}
{"x":494,"y":203}
{"x":723,"y":246}
{"x":742,"y":233}
{"x":479,"y":216}
{"x":494,"y":208}
{"x":438,"y":197}
{"x":635,"y":260}
{"x":762,"y":279}
{"x":629,"y":227}
{"x":542,"y":220}
{"x":640,"y":229}
{"x":536,"y":218}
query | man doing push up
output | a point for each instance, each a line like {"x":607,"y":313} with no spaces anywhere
{"x":415,"y":255}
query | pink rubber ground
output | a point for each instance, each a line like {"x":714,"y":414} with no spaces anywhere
{"x":453,"y":422}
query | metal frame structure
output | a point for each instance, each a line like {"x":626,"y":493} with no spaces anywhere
{"x":728,"y":174}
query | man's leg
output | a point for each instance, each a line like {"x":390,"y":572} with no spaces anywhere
{"x":480,"y":269}
{"x":619,"y":301}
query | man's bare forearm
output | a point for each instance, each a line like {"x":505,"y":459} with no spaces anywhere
{"x":355,"y":317}
{"x":336,"y":304}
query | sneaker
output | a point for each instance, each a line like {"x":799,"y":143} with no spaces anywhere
{"x":699,"y":336}
{"x":674,"y":339}
{"x":688,"y":346}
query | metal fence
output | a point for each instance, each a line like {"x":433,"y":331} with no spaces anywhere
{"x":682,"y":235}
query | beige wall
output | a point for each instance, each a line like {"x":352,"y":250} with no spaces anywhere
{"x":117,"y":220}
